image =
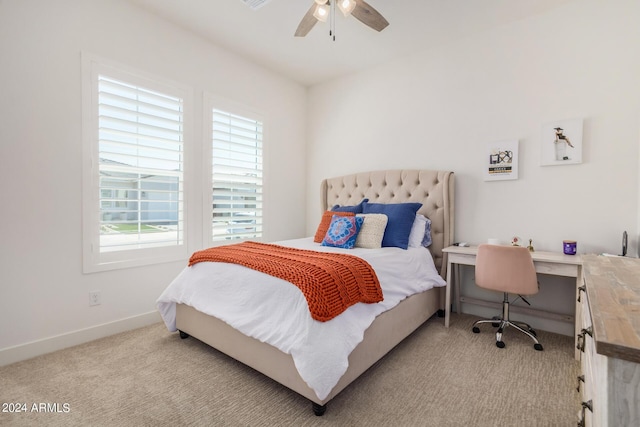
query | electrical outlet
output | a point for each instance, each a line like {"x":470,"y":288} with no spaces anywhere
{"x":94,"y":298}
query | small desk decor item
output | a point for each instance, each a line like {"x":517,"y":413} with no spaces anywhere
{"x":569,"y":247}
{"x":530,"y":247}
{"x":501,"y":161}
{"x":515,"y":241}
{"x":561,"y":143}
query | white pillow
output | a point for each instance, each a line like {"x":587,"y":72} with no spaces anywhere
{"x":420,"y":232}
{"x":372,"y":231}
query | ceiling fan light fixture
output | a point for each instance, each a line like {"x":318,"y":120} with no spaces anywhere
{"x":346,"y":6}
{"x":325,"y":10}
{"x":321,"y":13}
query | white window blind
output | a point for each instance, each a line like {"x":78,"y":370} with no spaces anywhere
{"x":236,"y":177}
{"x":140,"y":156}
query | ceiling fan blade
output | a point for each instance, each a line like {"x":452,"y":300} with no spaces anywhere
{"x":307,"y":23}
{"x":369,"y":16}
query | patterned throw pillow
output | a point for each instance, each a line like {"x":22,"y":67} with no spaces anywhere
{"x":343,"y":231}
{"x":427,"y":241}
{"x":420,"y":232}
{"x":325,"y":222}
{"x":372,"y":231}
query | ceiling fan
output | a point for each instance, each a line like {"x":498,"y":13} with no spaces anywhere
{"x":321,"y":10}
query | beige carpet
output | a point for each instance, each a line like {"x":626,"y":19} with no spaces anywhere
{"x":436,"y":377}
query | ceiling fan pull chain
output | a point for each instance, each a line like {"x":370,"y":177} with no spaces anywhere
{"x":332,"y":32}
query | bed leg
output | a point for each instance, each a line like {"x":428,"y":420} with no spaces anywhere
{"x":319,"y":410}
{"x":441,"y":313}
{"x":183,"y":335}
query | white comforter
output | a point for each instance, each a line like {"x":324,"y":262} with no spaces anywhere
{"x":276,"y":312}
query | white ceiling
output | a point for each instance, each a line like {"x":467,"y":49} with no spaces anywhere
{"x":265,"y":35}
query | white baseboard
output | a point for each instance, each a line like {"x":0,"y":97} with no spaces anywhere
{"x":47,"y":345}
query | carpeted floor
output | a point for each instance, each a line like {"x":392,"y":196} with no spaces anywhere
{"x":436,"y":377}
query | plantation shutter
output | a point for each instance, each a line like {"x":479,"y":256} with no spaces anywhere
{"x":140,"y":133}
{"x":236,"y":177}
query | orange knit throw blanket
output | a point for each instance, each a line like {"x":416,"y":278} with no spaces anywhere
{"x":330,"y":282}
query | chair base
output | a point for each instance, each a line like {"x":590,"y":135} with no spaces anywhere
{"x":504,"y":322}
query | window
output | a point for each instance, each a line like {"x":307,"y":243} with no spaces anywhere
{"x":236,"y":176}
{"x":134,"y":182}
{"x":140,"y":153}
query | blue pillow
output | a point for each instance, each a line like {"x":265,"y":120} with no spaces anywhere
{"x":343,"y":231}
{"x":401,"y":217}
{"x":355,"y":209}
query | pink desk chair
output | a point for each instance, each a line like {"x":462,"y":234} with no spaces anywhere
{"x":510,"y":270}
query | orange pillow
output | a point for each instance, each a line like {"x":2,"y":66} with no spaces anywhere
{"x":325,"y":222}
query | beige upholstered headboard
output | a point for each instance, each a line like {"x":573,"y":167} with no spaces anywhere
{"x":434,"y":189}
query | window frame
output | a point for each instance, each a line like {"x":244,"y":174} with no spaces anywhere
{"x":93,"y":259}
{"x":211,"y":102}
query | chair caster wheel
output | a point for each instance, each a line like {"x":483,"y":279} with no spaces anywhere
{"x":538,"y":347}
{"x":496,"y":324}
{"x":500,"y":344}
{"x":476,"y":330}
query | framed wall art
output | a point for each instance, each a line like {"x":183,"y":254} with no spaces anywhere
{"x":501,"y":161}
{"x":561,"y":143}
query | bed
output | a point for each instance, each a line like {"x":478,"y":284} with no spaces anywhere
{"x":435,"y":191}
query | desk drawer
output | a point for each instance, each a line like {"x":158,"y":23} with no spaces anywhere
{"x":557,"y":269}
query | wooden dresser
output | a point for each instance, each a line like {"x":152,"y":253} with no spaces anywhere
{"x":609,"y":341}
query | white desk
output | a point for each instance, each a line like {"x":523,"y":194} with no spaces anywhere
{"x":554,"y":263}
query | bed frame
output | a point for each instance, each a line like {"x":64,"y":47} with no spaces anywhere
{"x":435,"y":190}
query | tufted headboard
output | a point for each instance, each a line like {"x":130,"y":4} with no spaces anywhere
{"x":434,"y":189}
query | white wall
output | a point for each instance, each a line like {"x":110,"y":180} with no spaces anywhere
{"x":439,"y":108}
{"x":44,"y":297}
